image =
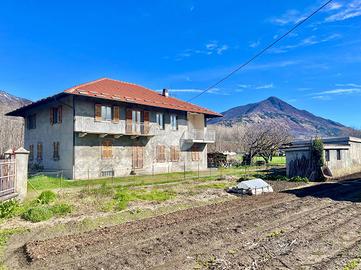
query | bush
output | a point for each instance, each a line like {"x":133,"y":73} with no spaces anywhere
{"x":317,"y":152}
{"x":8,"y":208}
{"x":122,"y":204}
{"x":299,"y":179}
{"x":61,"y":209}
{"x":37,"y":214}
{"x":46,"y":197}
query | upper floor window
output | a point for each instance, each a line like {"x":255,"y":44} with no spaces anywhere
{"x":160,"y":120}
{"x":173,"y":122}
{"x":327,"y":155}
{"x":338,"y":154}
{"x":56,"y":115}
{"x":31,"y":121}
{"x":107,"y":113}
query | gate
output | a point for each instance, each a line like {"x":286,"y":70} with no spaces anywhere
{"x":7,"y":177}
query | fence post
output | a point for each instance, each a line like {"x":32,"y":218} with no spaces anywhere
{"x":198,"y":169}
{"x":21,"y":172}
{"x":184,"y":171}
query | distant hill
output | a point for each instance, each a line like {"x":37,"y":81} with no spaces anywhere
{"x":11,"y":128}
{"x":301,"y":123}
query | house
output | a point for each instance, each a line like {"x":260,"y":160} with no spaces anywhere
{"x":108,"y":127}
{"x":342,"y":156}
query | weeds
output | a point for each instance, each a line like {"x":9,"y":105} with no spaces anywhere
{"x":353,"y":264}
{"x":9,"y":208}
{"x":61,"y":209}
{"x":46,"y":197}
{"x":214,"y":186}
{"x":37,"y":214}
{"x":275,"y":234}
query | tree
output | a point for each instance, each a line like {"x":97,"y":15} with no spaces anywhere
{"x":264,"y":139}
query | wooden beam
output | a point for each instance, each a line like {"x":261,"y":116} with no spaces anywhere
{"x":103,"y":135}
{"x":82,"y":134}
{"x":117,"y":136}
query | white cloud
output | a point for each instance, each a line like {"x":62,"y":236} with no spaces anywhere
{"x":265,"y":86}
{"x":328,"y":94}
{"x":212,"y":47}
{"x":186,"y":90}
{"x":290,"y":17}
{"x":349,"y":85}
{"x":255,"y":44}
{"x":334,"y":6}
{"x":351,"y":10}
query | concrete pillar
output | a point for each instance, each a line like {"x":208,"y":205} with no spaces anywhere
{"x":21,"y":167}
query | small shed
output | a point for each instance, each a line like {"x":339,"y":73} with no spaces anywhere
{"x":253,"y":187}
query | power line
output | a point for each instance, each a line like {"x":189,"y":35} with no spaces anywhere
{"x":262,"y":51}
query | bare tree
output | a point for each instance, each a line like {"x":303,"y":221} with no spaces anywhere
{"x":264,"y":140}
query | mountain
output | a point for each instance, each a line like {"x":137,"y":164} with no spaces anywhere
{"x":11,"y":128}
{"x":301,"y":123}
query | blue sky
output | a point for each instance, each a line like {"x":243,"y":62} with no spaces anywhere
{"x":48,"y":46}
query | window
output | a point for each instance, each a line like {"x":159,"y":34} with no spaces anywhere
{"x":107,"y":151}
{"x":160,"y":153}
{"x":173,"y":122}
{"x":107,"y":113}
{"x":174,"y":153}
{"x":31,"y":152}
{"x":327,"y":154}
{"x":56,"y":151}
{"x":56,"y":115}
{"x":39,"y":153}
{"x":160,"y":120}
{"x":338,"y":154}
{"x":31,"y":121}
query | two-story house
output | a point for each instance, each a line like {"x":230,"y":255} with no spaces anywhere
{"x":113,"y":128}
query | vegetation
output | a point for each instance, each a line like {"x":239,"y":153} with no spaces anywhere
{"x":9,"y":208}
{"x":61,"y":209}
{"x":353,"y":264}
{"x":317,"y":152}
{"x":38,"y":213}
{"x":46,"y":197}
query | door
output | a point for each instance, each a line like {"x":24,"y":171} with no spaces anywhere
{"x":136,"y":121}
{"x":138,"y":154}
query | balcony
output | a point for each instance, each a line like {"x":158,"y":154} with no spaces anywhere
{"x":200,"y":136}
{"x":138,"y":129}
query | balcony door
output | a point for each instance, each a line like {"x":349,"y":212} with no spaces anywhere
{"x":136,"y":119}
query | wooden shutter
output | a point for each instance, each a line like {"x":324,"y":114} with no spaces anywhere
{"x":98,"y":112}
{"x":60,"y":114}
{"x":31,"y":150}
{"x":128,"y":117}
{"x":140,"y":157}
{"x":195,"y":153}
{"x":40,"y":151}
{"x":116,"y":114}
{"x":54,"y":150}
{"x":137,"y":157}
{"x":146,"y":122}
{"x":174,"y":152}
{"x":107,"y":149}
{"x":51,"y":112}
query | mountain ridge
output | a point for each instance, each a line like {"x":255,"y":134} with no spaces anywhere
{"x":300,"y":123}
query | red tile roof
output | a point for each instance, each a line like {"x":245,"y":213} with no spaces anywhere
{"x":131,"y":93}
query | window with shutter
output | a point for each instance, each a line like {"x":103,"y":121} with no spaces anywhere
{"x":128,"y":120}
{"x":56,"y":155}
{"x":174,"y":153}
{"x":195,"y":153}
{"x":31,"y":121}
{"x":98,"y":112}
{"x":31,"y":152}
{"x":39,"y":156}
{"x":56,"y":115}
{"x":107,"y":151}
{"x":160,"y":153}
{"x":60,"y":114}
{"x":146,"y":122}
{"x":116,"y":114}
{"x":137,"y":157}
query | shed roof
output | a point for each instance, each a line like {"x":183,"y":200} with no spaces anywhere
{"x":110,"y":89}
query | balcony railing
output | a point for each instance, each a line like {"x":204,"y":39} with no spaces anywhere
{"x":201,"y":135}
{"x":137,"y":128}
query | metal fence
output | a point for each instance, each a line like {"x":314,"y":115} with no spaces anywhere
{"x":7,"y":177}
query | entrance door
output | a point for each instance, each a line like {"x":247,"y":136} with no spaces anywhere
{"x":138,"y":153}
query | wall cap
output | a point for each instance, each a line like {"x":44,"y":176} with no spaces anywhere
{"x":22,"y":150}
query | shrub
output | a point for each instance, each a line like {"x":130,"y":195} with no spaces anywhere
{"x":8,"y":208}
{"x":37,"y":214}
{"x":46,"y":197}
{"x":317,"y":152}
{"x":122,"y":204}
{"x":61,"y":209}
{"x":299,"y":179}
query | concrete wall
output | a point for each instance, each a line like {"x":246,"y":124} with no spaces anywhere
{"x":88,"y":160}
{"x":350,"y":160}
{"x":46,"y":134}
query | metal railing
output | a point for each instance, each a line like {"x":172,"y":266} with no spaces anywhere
{"x":199,"y":134}
{"x":7,"y":177}
{"x":137,"y":128}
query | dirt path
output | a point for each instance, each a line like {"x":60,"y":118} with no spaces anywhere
{"x":312,"y":228}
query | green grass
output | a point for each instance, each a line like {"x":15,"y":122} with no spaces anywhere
{"x":38,"y":213}
{"x":275,"y":160}
{"x":61,"y":209}
{"x":353,"y":264}
{"x":214,"y":186}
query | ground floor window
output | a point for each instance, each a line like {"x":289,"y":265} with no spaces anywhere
{"x":31,"y":152}
{"x":338,"y":154}
{"x":107,"y":149}
{"x":195,"y":153}
{"x":327,"y":155}
{"x":160,"y":153}
{"x":174,"y":153}
{"x":56,"y":146}
{"x":137,"y":157}
{"x":39,"y":154}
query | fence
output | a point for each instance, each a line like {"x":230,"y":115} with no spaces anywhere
{"x":7,"y":177}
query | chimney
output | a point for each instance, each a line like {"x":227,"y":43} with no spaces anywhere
{"x":165,"y":92}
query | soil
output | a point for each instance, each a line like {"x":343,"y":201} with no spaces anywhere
{"x":315,"y":227}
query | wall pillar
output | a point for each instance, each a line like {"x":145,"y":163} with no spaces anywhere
{"x":21,"y":167}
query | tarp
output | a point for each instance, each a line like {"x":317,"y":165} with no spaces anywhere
{"x":254,"y":186}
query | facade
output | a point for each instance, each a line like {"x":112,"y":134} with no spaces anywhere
{"x":112,"y":128}
{"x":342,"y":157}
